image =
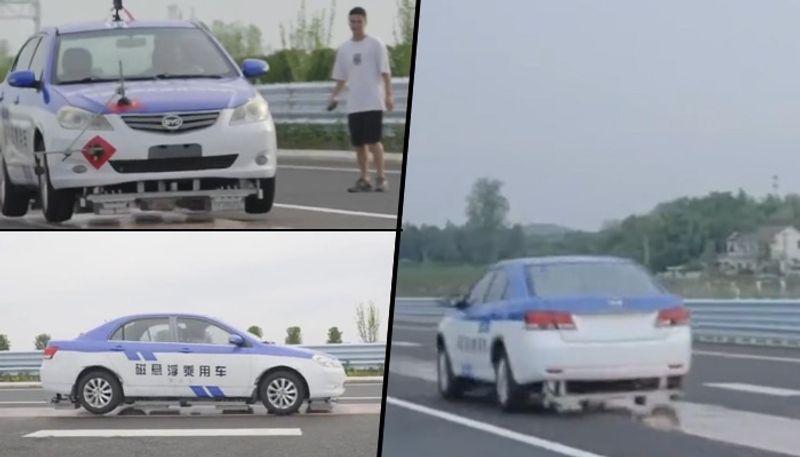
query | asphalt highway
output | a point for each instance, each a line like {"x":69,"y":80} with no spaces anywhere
{"x":311,"y":194}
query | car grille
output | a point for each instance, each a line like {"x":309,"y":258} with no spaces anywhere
{"x":173,"y":164}
{"x":154,"y":122}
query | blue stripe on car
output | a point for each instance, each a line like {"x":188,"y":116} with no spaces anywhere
{"x":132,"y":355}
{"x":199,"y":391}
{"x":215,"y":391}
{"x":148,"y":355}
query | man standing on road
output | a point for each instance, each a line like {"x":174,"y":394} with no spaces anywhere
{"x":362,"y":63}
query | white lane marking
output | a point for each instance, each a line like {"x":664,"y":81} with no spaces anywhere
{"x":360,"y":398}
{"x":106,"y":433}
{"x":412,"y":367}
{"x":754,"y":430}
{"x":344,"y":212}
{"x":411,"y":328}
{"x":21,"y":402}
{"x":316,"y":168}
{"x":732,"y":355}
{"x":531,"y":440}
{"x":407,"y":344}
{"x":753,"y":388}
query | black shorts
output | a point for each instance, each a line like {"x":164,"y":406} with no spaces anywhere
{"x":366,"y":127}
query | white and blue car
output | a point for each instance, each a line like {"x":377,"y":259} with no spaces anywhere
{"x":112,"y":116}
{"x":188,"y":359}
{"x":566,"y":332}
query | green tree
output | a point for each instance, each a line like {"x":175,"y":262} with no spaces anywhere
{"x":305,"y":36}
{"x":487,"y":211}
{"x":334,"y":336}
{"x":241,"y":41}
{"x":256,"y":330}
{"x":5,"y":345}
{"x":368,"y":322}
{"x":400,"y":53}
{"x":41,"y":341}
{"x":293,"y":335}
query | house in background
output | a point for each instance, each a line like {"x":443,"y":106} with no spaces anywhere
{"x":773,"y":249}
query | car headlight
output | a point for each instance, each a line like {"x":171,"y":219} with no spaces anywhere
{"x":255,"y":110}
{"x":73,"y":118}
{"x":325,"y":361}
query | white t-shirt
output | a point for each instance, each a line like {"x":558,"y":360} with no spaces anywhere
{"x":361,"y":64}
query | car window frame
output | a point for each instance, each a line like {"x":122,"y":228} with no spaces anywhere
{"x":469,"y":301}
{"x":499,"y":272}
{"x":233,"y":66}
{"x":15,"y":65}
{"x":212,"y":322}
{"x":172,"y":333}
{"x":41,"y":48}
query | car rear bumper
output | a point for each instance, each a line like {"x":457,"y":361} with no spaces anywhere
{"x":541,"y":356}
{"x":228,"y":152}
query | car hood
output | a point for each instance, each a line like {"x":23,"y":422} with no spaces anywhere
{"x":161,"y":96}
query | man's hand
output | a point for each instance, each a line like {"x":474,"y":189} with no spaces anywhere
{"x":390,"y":102}
{"x":332,"y":104}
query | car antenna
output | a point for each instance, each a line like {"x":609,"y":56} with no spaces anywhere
{"x":117,"y":8}
{"x":123,"y":99}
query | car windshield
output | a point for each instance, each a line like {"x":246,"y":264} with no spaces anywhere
{"x":147,"y":53}
{"x":615,"y":279}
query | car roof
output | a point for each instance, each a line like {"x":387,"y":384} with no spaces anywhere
{"x":564,"y":259}
{"x":151,"y":315}
{"x":104,"y":25}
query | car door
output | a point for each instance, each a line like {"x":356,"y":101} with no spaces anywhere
{"x":214,"y":366}
{"x":145,"y":355}
{"x":465,"y":339}
{"x":492,"y":324}
{"x":17,"y":136}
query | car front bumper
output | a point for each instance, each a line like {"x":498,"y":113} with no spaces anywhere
{"x":254,"y":146}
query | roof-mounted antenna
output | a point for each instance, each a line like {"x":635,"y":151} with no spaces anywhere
{"x":123,"y":99}
{"x":117,"y":8}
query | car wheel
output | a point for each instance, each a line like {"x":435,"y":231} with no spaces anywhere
{"x":99,"y":392}
{"x":510,"y":395}
{"x":255,"y":205}
{"x":282,"y":392}
{"x":57,"y":205}
{"x":14,"y":200}
{"x":450,"y":386}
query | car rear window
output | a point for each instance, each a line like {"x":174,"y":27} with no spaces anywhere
{"x":145,"y":54}
{"x":616,"y":279}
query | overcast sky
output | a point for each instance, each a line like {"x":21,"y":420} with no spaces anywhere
{"x":593,"y":110}
{"x":66,"y":283}
{"x":268,"y":15}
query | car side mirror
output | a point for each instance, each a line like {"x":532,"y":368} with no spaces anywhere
{"x":458,"y":302}
{"x":236,"y":339}
{"x":254,"y":68}
{"x":23,"y":79}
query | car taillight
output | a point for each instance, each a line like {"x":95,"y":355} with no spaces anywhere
{"x":672,"y":317}
{"x":549,"y":320}
{"x":50,"y":351}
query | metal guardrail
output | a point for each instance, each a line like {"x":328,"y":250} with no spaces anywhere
{"x":366,"y":355}
{"x":306,"y":103}
{"x":750,"y":322}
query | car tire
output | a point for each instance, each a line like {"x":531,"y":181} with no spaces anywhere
{"x":57,"y":205}
{"x":99,"y":392}
{"x":255,"y":205}
{"x":282,"y":392}
{"x":14,"y":200}
{"x":450,"y":386}
{"x":510,"y":395}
